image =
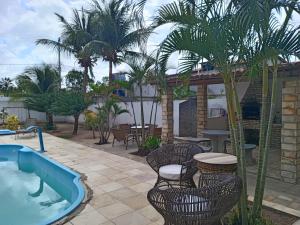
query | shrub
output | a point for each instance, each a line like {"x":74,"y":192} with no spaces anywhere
{"x":90,"y":120}
{"x":12,"y":122}
{"x":152,"y":143}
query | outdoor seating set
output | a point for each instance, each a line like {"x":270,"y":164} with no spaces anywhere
{"x":176,"y":196}
{"x":128,"y":132}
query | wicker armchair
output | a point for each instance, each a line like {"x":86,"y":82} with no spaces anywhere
{"x":121,"y":135}
{"x":206,"y":205}
{"x":174,"y":164}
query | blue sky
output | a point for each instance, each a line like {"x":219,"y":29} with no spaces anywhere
{"x":25,"y":21}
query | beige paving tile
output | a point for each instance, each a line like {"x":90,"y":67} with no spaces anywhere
{"x":150,"y":213}
{"x":131,"y":219}
{"x":129,"y":181}
{"x":114,"y":210}
{"x":123,"y":193}
{"x":112,"y":186}
{"x":108,"y":223}
{"x":90,"y":218}
{"x":102,"y":201}
{"x":136,"y":202}
{"x":142,"y":187}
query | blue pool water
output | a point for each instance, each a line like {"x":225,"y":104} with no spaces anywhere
{"x":33,"y":189}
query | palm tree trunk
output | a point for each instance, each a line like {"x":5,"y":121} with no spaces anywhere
{"x":142,"y":114}
{"x":110,"y":74}
{"x":236,"y":135}
{"x":259,"y":194}
{"x":75,"y":127}
{"x":262,"y":137}
{"x":134,"y":119}
{"x":150,"y":120}
{"x":242,"y":161}
{"x":49,"y":118}
{"x":85,"y":79}
{"x":155,"y":114}
{"x":94,"y":135}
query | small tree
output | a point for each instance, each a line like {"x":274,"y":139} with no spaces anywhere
{"x":42,"y":103}
{"x":108,"y":111}
{"x":38,"y":85}
{"x":106,"y":117}
{"x":70,"y":103}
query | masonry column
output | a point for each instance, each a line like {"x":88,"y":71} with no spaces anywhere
{"x":290,"y":133}
{"x":167,"y":117}
{"x":201,"y":108}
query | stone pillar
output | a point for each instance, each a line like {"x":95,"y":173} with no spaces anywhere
{"x":167,"y":117}
{"x":201,"y":108}
{"x":290,"y":132}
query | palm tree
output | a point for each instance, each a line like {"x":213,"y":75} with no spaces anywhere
{"x":237,"y":36}
{"x":209,"y":32}
{"x":6,"y":86}
{"x":38,"y":85}
{"x":275,"y":41}
{"x":116,"y":27}
{"x":141,"y":66}
{"x":74,"y":41}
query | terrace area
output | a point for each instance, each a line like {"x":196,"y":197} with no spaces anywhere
{"x":119,"y":185}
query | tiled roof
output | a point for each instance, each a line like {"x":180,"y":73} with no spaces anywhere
{"x":214,"y":76}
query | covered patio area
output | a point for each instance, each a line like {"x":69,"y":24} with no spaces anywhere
{"x":284,"y":161}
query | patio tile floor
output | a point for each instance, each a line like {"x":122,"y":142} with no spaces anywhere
{"x":120,"y":184}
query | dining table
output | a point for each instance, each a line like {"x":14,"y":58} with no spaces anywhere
{"x":217,"y":137}
{"x":205,"y":143}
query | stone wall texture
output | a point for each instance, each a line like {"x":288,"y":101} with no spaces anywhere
{"x":290,"y":132}
{"x":201,"y":108}
{"x":167,"y":117}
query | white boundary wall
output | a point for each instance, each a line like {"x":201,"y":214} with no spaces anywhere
{"x":17,"y":108}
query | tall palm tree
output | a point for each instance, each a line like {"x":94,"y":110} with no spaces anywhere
{"x":275,"y":41}
{"x":229,"y":39}
{"x":209,"y":32}
{"x":74,"y":41}
{"x":141,"y":66}
{"x":116,"y":27}
{"x":38,"y":85}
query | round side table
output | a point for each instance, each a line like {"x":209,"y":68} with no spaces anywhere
{"x":216,"y":162}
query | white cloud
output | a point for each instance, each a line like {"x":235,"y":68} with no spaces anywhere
{"x":24,"y":21}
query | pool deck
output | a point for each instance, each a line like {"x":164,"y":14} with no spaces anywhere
{"x":120,"y":185}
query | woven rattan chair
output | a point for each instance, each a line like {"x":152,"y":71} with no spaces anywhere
{"x":174,"y":164}
{"x":205,"y":205}
{"x":122,"y":135}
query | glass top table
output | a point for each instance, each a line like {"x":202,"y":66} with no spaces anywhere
{"x":217,"y":137}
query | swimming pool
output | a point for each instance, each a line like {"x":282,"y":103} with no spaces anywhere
{"x":35,"y":190}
